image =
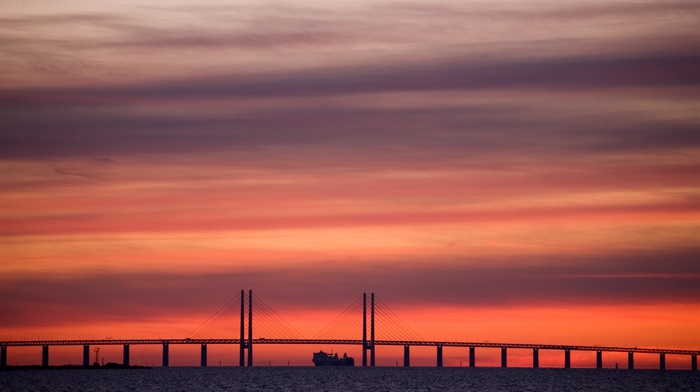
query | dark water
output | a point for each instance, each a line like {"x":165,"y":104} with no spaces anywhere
{"x":347,"y":379}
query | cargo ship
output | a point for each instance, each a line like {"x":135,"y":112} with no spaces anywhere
{"x":325,"y":359}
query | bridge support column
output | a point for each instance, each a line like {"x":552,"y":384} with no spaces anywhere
{"x":203,"y":361}
{"x":567,"y":359}
{"x":406,"y":355}
{"x":694,"y":362}
{"x":599,"y":359}
{"x":535,"y":358}
{"x":364,"y":329}
{"x":45,"y":356}
{"x":371,"y":343}
{"x":166,"y":356}
{"x":242,"y":339}
{"x":504,"y":357}
{"x":3,"y":357}
{"x":250,"y":328}
{"x":472,"y":357}
{"x":630,"y":360}
{"x":126,"y":355}
{"x":662,"y":361}
{"x":439,"y":355}
{"x":86,"y":355}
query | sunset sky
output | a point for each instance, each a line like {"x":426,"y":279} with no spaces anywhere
{"x":493,"y":170}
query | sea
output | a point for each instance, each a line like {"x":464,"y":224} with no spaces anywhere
{"x":347,"y":379}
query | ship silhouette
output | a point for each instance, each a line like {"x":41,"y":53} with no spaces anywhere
{"x":324,"y":359}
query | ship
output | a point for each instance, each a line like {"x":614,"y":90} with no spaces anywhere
{"x":325,"y":359}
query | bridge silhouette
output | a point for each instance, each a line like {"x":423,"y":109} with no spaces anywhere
{"x":233,"y":325}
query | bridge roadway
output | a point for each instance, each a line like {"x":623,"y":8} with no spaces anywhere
{"x":92,"y":342}
{"x":368,"y":345}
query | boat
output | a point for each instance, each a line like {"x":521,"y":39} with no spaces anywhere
{"x":325,"y":359}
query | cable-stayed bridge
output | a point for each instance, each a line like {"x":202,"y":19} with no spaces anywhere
{"x":367,"y":322}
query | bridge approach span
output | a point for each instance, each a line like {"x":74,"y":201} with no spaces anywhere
{"x":92,"y":342}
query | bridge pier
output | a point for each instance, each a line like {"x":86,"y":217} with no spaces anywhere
{"x":45,"y":356}
{"x":126,"y":355}
{"x":3,"y":357}
{"x":504,"y":357}
{"x":86,"y":355}
{"x":630,"y":360}
{"x":694,"y":362}
{"x":567,"y":359}
{"x":203,"y":361}
{"x":439,"y":355}
{"x":535,"y":358}
{"x":599,"y":359}
{"x":406,"y":355}
{"x":662,"y":361}
{"x":472,"y":357}
{"x":166,"y":356}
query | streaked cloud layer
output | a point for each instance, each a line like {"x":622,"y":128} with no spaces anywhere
{"x":468,"y":155}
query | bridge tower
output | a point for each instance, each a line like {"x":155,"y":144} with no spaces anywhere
{"x":371,"y":343}
{"x":364,"y":329}
{"x":365,"y":344}
{"x":221,"y":328}
{"x":246,"y":345}
{"x":250,"y":327}
{"x":241,"y":341}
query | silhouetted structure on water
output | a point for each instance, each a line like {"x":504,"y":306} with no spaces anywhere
{"x":325,"y":359}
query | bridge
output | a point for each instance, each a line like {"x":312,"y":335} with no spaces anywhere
{"x":239,"y":313}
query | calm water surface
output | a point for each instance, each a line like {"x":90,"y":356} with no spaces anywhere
{"x":347,"y":379}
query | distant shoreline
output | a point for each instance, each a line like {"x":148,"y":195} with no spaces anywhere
{"x":40,"y":367}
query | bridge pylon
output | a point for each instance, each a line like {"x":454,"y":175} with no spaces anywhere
{"x":246,"y":344}
{"x":364,"y":329}
{"x":365,"y":344}
{"x":371,"y":343}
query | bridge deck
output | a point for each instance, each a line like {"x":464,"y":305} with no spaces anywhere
{"x":91,"y":342}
